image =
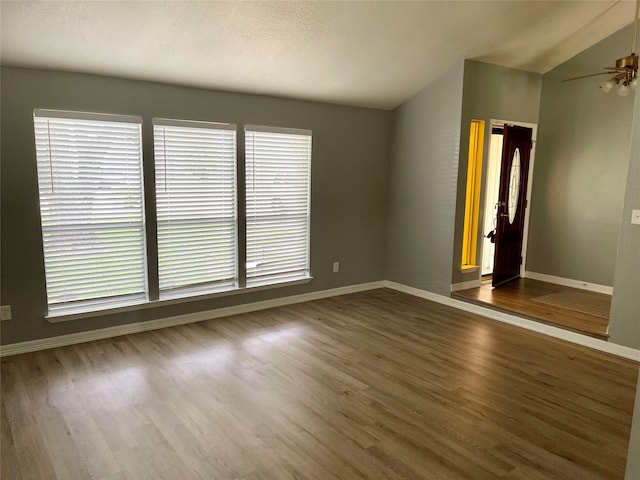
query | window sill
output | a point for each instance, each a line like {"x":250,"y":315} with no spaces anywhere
{"x":469,"y":268}
{"x":170,"y":299}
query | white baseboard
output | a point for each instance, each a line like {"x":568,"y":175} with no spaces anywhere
{"x":456,"y":287}
{"x":573,"y":337}
{"x":569,"y":282}
{"x":80,"y":337}
{"x":71,"y":339}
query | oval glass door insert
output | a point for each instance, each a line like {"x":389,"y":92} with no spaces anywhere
{"x":514,"y":186}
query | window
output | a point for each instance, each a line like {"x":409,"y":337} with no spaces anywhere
{"x":472,"y":204}
{"x":278,"y":187}
{"x":195,"y":165}
{"x":90,"y":179}
{"x":91,"y":206}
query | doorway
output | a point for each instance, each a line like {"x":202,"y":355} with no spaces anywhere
{"x":560,"y":306}
{"x":492,"y":180}
{"x":491,"y":189}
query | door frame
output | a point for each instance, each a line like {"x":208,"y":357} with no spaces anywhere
{"x":525,"y":233}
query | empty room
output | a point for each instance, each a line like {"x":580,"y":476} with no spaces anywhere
{"x":256,"y":240}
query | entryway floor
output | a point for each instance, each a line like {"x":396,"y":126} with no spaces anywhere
{"x":518,"y":297}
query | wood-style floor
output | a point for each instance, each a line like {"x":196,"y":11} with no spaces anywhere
{"x":515,"y":297}
{"x":374,"y":385}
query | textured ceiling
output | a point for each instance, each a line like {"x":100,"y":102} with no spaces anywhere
{"x":374,"y":54}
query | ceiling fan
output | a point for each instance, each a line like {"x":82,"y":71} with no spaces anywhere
{"x":625,"y":73}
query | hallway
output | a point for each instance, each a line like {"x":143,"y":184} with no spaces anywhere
{"x":525,"y":297}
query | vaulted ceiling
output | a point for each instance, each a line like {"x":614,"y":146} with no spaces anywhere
{"x":374,"y":54}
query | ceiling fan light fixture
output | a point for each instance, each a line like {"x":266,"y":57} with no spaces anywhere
{"x":623,"y":90}
{"x":625,"y":73}
{"x":607,"y":86}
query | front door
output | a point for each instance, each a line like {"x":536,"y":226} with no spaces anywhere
{"x":512,"y":201}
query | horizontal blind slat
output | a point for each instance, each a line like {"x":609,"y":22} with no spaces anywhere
{"x":278,"y":174}
{"x":195,"y":167}
{"x":91,"y":202}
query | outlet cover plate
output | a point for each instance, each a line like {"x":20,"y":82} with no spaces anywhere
{"x":5,"y":312}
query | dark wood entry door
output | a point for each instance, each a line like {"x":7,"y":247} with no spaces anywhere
{"x":512,"y":202}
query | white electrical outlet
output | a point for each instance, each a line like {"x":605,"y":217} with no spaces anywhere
{"x":336,"y":267}
{"x":5,"y":312}
{"x":635,"y":217}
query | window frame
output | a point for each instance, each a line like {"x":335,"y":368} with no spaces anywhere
{"x":293,"y":274}
{"x":471,"y":222}
{"x":95,"y":302}
{"x":184,"y":125}
{"x":152,"y":296}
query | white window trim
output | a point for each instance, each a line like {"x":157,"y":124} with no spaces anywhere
{"x":102,"y":117}
{"x":170,"y":122}
{"x":131,"y":306}
{"x":287,"y":131}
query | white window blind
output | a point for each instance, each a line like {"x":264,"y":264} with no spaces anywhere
{"x":278,"y":195}
{"x":195,"y":165}
{"x":91,"y":206}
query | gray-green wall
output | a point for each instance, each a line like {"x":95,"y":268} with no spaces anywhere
{"x":349,"y":184}
{"x":580,"y":169}
{"x":489,"y":92}
{"x":624,"y":326}
{"x":422,"y":185}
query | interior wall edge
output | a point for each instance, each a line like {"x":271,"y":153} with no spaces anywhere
{"x":456,"y":287}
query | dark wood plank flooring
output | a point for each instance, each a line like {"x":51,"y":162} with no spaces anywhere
{"x":515,"y":297}
{"x":374,"y":385}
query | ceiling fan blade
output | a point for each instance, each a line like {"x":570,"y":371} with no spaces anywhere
{"x":590,"y":75}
